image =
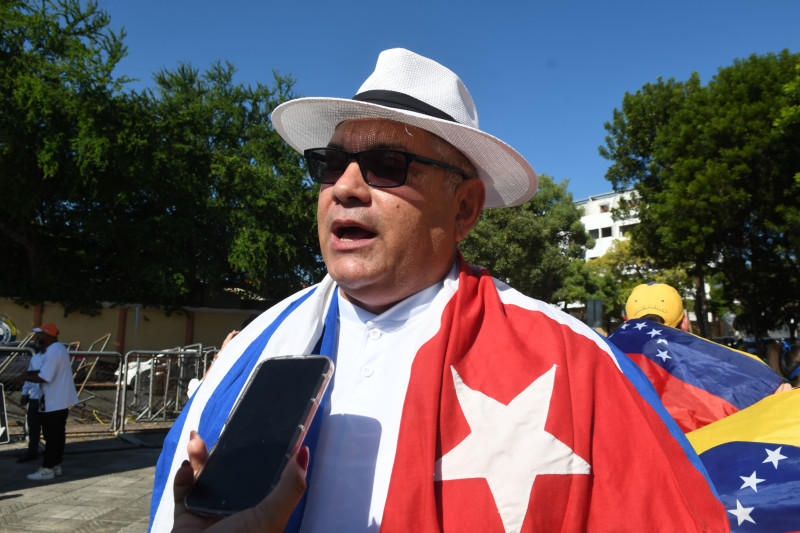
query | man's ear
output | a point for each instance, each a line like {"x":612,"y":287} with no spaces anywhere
{"x":470,"y":197}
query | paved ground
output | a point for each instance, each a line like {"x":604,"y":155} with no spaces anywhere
{"x":106,"y":486}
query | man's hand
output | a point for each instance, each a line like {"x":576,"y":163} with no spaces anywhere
{"x":23,"y":400}
{"x":269,"y":516}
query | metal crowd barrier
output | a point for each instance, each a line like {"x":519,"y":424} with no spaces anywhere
{"x":156,"y":382}
{"x":142,"y":390}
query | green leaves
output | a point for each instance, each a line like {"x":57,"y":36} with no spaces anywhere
{"x":532,"y":246}
{"x":167,"y":197}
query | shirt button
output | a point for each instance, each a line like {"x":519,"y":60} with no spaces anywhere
{"x":374,"y":333}
{"x":367,"y":371}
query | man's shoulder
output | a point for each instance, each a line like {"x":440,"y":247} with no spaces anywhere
{"x":541,"y":314}
{"x":57,"y":349}
{"x":294,"y":304}
{"x":547,"y":311}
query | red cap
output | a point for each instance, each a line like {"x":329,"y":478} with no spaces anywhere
{"x":47,"y":329}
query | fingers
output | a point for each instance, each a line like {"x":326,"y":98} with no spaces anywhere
{"x":184,"y":479}
{"x":276,"y":509}
{"x":271,"y":515}
{"x":231,"y":335}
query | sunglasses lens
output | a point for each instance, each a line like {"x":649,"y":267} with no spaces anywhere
{"x":325,"y":166}
{"x":384,"y":168}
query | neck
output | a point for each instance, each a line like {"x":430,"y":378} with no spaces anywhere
{"x":374,"y":309}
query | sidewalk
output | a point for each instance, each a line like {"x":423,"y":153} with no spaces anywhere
{"x":105,"y":487}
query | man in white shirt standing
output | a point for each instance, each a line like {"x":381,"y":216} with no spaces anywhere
{"x":458,"y":403}
{"x":57,"y":395}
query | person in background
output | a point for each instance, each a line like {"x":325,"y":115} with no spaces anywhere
{"x":30,"y":399}
{"x":457,"y":403}
{"x":661,"y":303}
{"x":658,"y":302}
{"x":785,"y":359}
{"x":699,"y":381}
{"x":57,"y":395}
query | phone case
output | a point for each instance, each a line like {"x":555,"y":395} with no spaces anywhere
{"x":199,"y":503}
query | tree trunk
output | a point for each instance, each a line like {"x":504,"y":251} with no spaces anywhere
{"x":700,"y":302}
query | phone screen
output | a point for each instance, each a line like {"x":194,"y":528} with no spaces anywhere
{"x":264,"y":428}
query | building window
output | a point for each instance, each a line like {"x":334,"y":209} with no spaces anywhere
{"x":594,"y":234}
{"x":604,"y":208}
{"x":626,"y":229}
{"x":606,"y":232}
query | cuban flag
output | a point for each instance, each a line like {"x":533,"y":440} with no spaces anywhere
{"x":753,"y":458}
{"x":699,"y":381}
{"x":516,"y":418}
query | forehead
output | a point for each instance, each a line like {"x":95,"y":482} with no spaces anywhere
{"x":363,"y":134}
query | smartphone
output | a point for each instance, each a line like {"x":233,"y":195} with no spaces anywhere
{"x":266,"y":426}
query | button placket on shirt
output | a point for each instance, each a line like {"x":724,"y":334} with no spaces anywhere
{"x":373,"y":334}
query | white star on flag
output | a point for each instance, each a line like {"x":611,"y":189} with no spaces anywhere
{"x":773,"y":456}
{"x":663,"y":355}
{"x":624,"y":326}
{"x":654,"y":332}
{"x":640,"y":325}
{"x":751,"y":481}
{"x":662,"y":341}
{"x":742,"y":513}
{"x":508,"y":446}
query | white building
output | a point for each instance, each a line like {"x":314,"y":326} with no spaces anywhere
{"x":597,"y":218}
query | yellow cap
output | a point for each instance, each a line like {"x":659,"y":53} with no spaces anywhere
{"x":655,"y":299}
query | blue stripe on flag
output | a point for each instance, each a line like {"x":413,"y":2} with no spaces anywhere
{"x":326,"y":346}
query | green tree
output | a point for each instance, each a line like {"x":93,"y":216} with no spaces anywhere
{"x":531,"y":246}
{"x":58,"y":119}
{"x":712,"y":172}
{"x":621,"y":269}
{"x":236,"y":194}
{"x":164,"y":197}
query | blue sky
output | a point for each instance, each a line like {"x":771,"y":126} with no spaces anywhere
{"x":545,"y":76}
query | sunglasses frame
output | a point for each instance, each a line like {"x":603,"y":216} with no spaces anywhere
{"x":409,"y":157}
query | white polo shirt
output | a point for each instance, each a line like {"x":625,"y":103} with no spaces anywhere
{"x":58,"y":390}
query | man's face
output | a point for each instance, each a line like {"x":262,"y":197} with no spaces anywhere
{"x":39,"y":341}
{"x":383,"y":245}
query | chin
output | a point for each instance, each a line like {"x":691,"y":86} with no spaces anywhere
{"x":351,"y":281}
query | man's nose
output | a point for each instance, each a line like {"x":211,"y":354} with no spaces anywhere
{"x":351,"y":184}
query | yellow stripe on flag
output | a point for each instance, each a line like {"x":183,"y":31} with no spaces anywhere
{"x":774,"y":419}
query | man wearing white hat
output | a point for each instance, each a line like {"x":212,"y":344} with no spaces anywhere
{"x":458,"y":403}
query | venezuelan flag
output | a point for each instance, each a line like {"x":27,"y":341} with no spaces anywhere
{"x":698,"y":381}
{"x":753,"y":459}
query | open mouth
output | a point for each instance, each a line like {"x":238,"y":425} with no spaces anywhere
{"x":352,"y":233}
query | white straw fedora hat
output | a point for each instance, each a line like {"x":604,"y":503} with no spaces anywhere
{"x":406,"y":87}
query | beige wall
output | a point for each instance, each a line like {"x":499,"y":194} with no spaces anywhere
{"x":153,"y":330}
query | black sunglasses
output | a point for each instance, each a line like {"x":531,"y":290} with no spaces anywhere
{"x":379,"y":167}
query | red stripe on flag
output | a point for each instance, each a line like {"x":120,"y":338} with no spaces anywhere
{"x":690,"y":406}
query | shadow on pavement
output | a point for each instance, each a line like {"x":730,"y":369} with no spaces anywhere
{"x":85,"y":458}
